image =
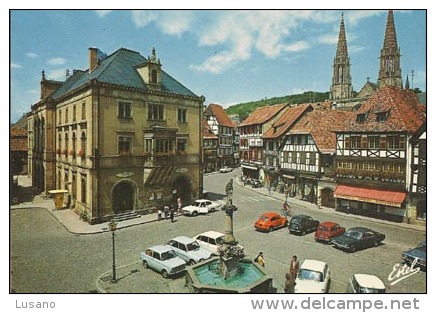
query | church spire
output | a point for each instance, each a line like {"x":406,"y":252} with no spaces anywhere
{"x":390,"y":70}
{"x":342,"y":51}
{"x":341,"y":87}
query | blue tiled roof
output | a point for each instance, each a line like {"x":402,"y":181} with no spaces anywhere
{"x":120,"y":69}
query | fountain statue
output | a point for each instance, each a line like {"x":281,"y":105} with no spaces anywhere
{"x":230,"y":272}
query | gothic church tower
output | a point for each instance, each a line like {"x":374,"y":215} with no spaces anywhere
{"x":390,"y":71}
{"x":341,"y":87}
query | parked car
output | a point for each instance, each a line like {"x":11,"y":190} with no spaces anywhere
{"x":270,"y":221}
{"x":358,"y":238}
{"x":302,"y":224}
{"x":211,"y":240}
{"x":201,"y":206}
{"x":313,"y":277}
{"x":327,"y":230}
{"x":163,"y":259}
{"x":225,"y":169}
{"x":419,"y":253}
{"x":255,"y":183}
{"x":189,"y":249}
{"x":365,"y":283}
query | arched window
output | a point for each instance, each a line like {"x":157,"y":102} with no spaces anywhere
{"x":154,"y":77}
{"x":73,"y":148}
{"x":83,"y":143}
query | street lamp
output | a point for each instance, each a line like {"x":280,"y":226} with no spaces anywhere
{"x":113,"y":227}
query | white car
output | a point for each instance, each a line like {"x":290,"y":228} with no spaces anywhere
{"x":202,"y":206}
{"x":211,"y":240}
{"x":189,"y":249}
{"x":163,"y":259}
{"x":365,"y":283}
{"x":313,"y":277}
{"x":225,"y":169}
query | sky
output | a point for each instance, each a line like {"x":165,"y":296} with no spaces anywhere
{"x":228,"y":56}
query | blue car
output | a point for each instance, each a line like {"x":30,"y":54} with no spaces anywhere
{"x":163,"y":259}
{"x":419,"y":253}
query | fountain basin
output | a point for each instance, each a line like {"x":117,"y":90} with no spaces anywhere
{"x":204,"y":277}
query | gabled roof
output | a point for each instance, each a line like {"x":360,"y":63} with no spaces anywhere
{"x":404,"y":112}
{"x":263,"y":114}
{"x":220,"y":115}
{"x":119,"y":68}
{"x":207,"y":131}
{"x":321,"y":124}
{"x":286,"y":120}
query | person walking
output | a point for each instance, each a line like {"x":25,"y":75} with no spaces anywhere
{"x":172,"y":214}
{"x":289,"y":284}
{"x":294,"y":268}
{"x":260,"y":259}
{"x":166,"y":211}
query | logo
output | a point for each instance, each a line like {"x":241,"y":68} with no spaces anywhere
{"x":402,"y":271}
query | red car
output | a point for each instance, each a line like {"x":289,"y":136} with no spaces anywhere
{"x":327,"y":230}
{"x":270,"y":221}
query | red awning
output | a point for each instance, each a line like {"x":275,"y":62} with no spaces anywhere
{"x":384,"y":197}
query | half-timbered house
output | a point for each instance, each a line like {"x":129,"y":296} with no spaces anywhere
{"x":372,"y":155}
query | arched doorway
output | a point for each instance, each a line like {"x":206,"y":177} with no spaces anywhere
{"x":327,"y":198}
{"x":183,"y":187}
{"x":122,"y":197}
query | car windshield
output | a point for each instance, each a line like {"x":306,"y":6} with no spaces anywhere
{"x":196,"y":204}
{"x":371,"y":290}
{"x":193,"y":246}
{"x":353,"y":234}
{"x":311,"y":275}
{"x":323,"y":228}
{"x":168,"y":255}
{"x":264,"y":218}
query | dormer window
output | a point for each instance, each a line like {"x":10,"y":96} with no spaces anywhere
{"x":382,"y":116}
{"x":361,"y":118}
{"x":154,"y":77}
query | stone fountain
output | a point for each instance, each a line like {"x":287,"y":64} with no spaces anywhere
{"x":230,"y":272}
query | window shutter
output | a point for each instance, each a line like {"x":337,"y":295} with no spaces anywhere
{"x":364,"y":142}
{"x":402,"y":143}
{"x":347,"y":143}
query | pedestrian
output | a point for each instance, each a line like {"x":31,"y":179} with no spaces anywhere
{"x":172,"y":215}
{"x":294,"y":268}
{"x":159,"y":214}
{"x":289,"y":284}
{"x":166,"y":211}
{"x":179,"y":204}
{"x":260,"y":259}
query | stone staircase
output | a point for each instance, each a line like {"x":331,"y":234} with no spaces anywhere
{"x":124,"y":216}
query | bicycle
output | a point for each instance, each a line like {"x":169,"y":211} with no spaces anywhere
{"x":286,"y":210}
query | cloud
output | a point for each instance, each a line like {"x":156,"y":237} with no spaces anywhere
{"x":16,"y":65}
{"x":236,"y":35}
{"x":56,"y":61}
{"x":102,"y":13}
{"x":31,"y":55}
{"x":58,"y":74}
{"x":144,"y":18}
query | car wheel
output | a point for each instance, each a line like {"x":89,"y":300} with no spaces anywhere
{"x":353,"y":249}
{"x":191,"y":262}
{"x":195,"y":213}
{"x":303,"y":233}
{"x":145,"y":264}
{"x":269,"y":229}
{"x":286,"y":224}
{"x":212,"y":210}
{"x":164,"y":274}
{"x":376,"y":243}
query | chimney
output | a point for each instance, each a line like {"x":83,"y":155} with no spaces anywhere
{"x":93,"y":60}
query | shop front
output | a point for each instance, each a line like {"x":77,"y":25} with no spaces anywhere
{"x":382,"y":204}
